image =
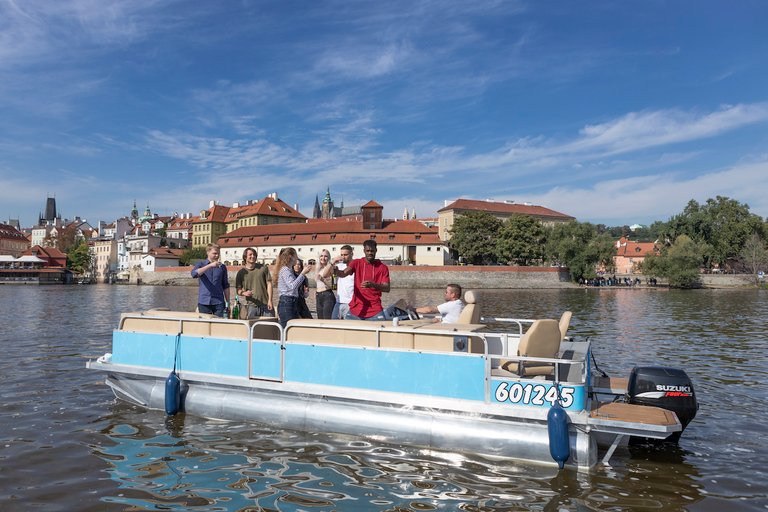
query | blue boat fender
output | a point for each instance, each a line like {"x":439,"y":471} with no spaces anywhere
{"x":172,"y":394}
{"x":557,"y":424}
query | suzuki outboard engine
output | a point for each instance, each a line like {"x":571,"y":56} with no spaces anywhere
{"x":666,"y":388}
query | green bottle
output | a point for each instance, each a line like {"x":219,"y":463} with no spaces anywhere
{"x":236,"y":308}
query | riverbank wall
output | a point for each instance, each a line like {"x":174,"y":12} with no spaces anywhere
{"x":469,"y":277}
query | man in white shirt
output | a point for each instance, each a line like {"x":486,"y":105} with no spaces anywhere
{"x":450,"y":309}
{"x":345,"y":286}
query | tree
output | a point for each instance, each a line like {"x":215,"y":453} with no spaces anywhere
{"x":79,"y":257}
{"x":474,"y":235}
{"x":580,"y":247}
{"x":521,"y":240}
{"x":753,"y":257}
{"x":723,"y":224}
{"x":192,"y":253}
{"x":679,"y":263}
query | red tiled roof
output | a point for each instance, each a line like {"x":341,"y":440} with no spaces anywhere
{"x":533,"y":210}
{"x":165,"y":253}
{"x":48,"y":252}
{"x":267,"y":206}
{"x":217,"y":213}
{"x":635,"y":249}
{"x":326,"y":231}
{"x":372,"y":204}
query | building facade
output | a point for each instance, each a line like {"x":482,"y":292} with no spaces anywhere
{"x":405,"y":242}
{"x":502,"y":211}
{"x":12,"y":241}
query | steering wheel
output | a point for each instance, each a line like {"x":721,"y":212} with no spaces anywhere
{"x":413,"y":315}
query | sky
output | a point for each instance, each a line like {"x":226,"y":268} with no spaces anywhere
{"x":612,"y":112}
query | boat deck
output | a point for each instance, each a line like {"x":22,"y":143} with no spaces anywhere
{"x":617,"y":411}
{"x":610,"y":385}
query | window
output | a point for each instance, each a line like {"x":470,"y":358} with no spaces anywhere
{"x":372,"y":215}
{"x":429,"y":249}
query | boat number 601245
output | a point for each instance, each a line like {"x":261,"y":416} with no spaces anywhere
{"x":530,"y":394}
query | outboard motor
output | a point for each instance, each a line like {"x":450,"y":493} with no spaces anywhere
{"x":666,"y":388}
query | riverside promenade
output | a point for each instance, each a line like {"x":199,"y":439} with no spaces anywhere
{"x":469,"y":277}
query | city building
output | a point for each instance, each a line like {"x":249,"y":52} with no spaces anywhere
{"x":159,"y":258}
{"x":629,"y":254}
{"x":502,"y":211}
{"x":12,"y":241}
{"x":219,"y":220}
{"x":404,"y":242}
{"x":104,"y":259}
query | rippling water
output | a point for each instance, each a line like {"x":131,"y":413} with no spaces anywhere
{"x":67,"y":444}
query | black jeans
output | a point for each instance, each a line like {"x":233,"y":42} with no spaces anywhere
{"x":325,"y":302}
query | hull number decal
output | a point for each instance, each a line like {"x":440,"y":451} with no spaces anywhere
{"x":533,"y":394}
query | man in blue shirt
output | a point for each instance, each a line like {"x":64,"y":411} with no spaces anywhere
{"x":214,"y":283}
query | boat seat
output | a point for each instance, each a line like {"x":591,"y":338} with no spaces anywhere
{"x":471,"y":312}
{"x":414,"y":337}
{"x":565,"y":321}
{"x":541,"y":340}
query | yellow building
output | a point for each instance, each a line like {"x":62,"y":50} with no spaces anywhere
{"x":269,"y":210}
{"x":502,"y":211}
{"x":220,"y":220}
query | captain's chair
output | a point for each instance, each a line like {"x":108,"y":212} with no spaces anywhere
{"x":541,"y":340}
{"x":471,"y":312}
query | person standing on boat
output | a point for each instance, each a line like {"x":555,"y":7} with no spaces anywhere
{"x":288,"y":285}
{"x":213,"y":295}
{"x":450,"y":309}
{"x":371,"y":280}
{"x":301,"y":304}
{"x":345,"y":286}
{"x":324,"y":296}
{"x":254,"y":282}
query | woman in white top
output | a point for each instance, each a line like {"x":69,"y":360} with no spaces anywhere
{"x":324,"y":297}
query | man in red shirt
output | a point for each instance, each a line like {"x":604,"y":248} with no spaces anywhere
{"x":371,"y":280}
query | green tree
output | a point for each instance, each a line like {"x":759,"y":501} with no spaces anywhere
{"x":191,"y":254}
{"x":521,"y":240}
{"x":474,"y":235}
{"x":579,"y":246}
{"x":679,"y":263}
{"x":722,"y":224}
{"x":79,"y":257}
{"x":753,"y":257}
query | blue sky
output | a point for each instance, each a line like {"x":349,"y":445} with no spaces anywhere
{"x":613,"y":112}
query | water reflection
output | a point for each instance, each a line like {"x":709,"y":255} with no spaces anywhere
{"x":191,"y":463}
{"x":62,"y":432}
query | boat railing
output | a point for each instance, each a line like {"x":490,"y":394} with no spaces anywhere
{"x":518,"y":321}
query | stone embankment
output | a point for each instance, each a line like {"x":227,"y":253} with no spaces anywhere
{"x":469,"y":277}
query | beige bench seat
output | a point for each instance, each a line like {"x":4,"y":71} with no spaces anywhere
{"x":414,"y":337}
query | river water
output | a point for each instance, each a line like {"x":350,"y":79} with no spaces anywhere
{"x":67,"y":444}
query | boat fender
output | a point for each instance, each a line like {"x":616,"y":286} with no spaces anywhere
{"x":172,"y":394}
{"x":557,"y":424}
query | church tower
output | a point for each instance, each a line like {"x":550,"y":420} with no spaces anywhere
{"x":316,"y":213}
{"x":134,"y":214}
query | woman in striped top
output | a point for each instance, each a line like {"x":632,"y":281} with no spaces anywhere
{"x":288,"y":284}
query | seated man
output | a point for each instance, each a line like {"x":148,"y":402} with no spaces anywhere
{"x":450,"y":309}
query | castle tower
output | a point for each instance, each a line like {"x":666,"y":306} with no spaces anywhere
{"x":328,"y":205}
{"x":405,"y":214}
{"x":316,"y":212}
